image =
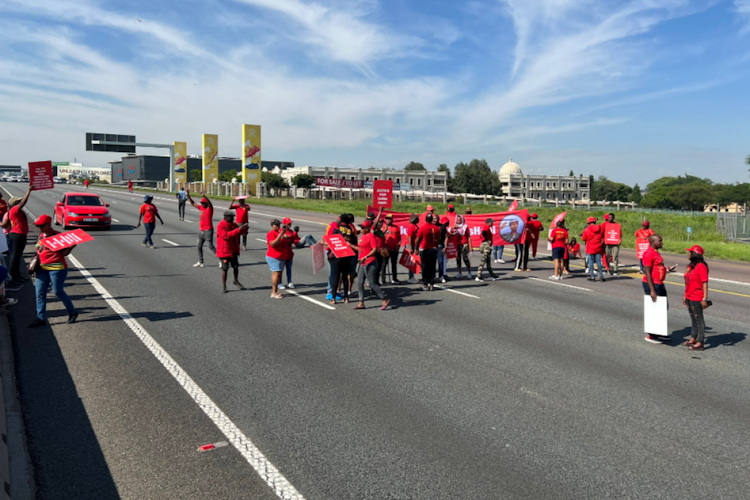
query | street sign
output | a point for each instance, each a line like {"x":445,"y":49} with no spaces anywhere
{"x":690,"y":230}
{"x":127,"y":143}
{"x":60,"y":163}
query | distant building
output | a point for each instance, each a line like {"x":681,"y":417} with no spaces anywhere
{"x":514,"y":183}
{"x":418,"y":180}
{"x":731,"y":208}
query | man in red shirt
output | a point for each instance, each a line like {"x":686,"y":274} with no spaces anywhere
{"x":368,"y":266}
{"x":130,"y":186}
{"x":535,"y":228}
{"x":392,"y":244}
{"x":149,"y":214}
{"x":559,"y":239}
{"x":206,"y":226}
{"x":242,"y":209}
{"x":643,"y":235}
{"x":19,"y":231}
{"x":427,"y":241}
{"x":86,"y":183}
{"x":228,"y":247}
{"x":486,"y":249}
{"x":593,"y":237}
{"x":411,"y":234}
{"x":655,"y":274}
{"x":612,"y":233}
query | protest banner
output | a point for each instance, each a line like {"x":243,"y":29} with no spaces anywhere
{"x":451,"y":252}
{"x":64,"y":240}
{"x":382,"y":194}
{"x":410,"y":262}
{"x":40,"y":175}
{"x":318,"y":257}
{"x":338,"y":245}
{"x":641,"y":245}
{"x":552,"y":226}
{"x":513,"y":206}
{"x":612,"y":233}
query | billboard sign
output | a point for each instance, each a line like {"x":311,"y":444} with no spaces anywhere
{"x":110,"y":148}
{"x":180,"y":162}
{"x":251,"y":162}
{"x":210,"y":157}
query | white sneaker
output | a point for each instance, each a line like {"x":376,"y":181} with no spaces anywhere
{"x":290,"y":285}
{"x":281,"y":287}
{"x":459,"y":276}
{"x":478,"y":279}
{"x":443,"y":280}
{"x":553,"y":277}
{"x":615,"y":274}
{"x":219,"y":262}
{"x":501,"y":261}
{"x":412,"y":281}
{"x":494,"y":261}
{"x":198,"y":264}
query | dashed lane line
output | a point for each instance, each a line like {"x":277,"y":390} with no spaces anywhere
{"x":447,"y":289}
{"x":560,"y":284}
{"x":170,"y":242}
{"x":309,"y":299}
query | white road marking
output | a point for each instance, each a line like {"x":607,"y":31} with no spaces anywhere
{"x":265,"y":469}
{"x":252,"y":221}
{"x":303,"y":220}
{"x":187,"y":220}
{"x":321,"y":304}
{"x":264,"y":241}
{"x":456,"y":291}
{"x":115,"y":220}
{"x":170,"y":242}
{"x":561,"y":284}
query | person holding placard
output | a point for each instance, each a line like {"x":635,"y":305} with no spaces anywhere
{"x":19,"y":231}
{"x":368,"y":247}
{"x":54,"y":270}
{"x":242,"y":210}
{"x":655,"y":274}
{"x":612,"y":240}
{"x":696,"y":296}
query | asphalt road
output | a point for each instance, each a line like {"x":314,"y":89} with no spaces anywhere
{"x":521,"y":388}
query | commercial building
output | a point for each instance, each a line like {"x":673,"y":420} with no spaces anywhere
{"x":417,"y":180}
{"x":565,"y":188}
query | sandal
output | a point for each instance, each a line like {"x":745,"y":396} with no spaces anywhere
{"x":385,"y":304}
{"x":696,"y":347}
{"x":333,"y":302}
{"x":277,"y":296}
{"x":358,"y":307}
{"x":688,"y":343}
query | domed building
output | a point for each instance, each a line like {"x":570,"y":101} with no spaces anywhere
{"x":563,"y":188}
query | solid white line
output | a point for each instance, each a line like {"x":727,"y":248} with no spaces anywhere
{"x":264,"y":241}
{"x":267,"y":471}
{"x":560,"y":284}
{"x":170,"y":242}
{"x":456,"y":291}
{"x":321,"y":304}
{"x":187,"y":220}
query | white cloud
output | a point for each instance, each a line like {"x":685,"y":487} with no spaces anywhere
{"x":742,"y":7}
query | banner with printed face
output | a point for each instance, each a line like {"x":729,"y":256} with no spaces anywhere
{"x":210,"y":157}
{"x":507,"y":228}
{"x":251,"y":165}
{"x":40,"y":175}
{"x":382,"y":194}
{"x":64,"y":240}
{"x":612,"y":233}
{"x":180,"y":162}
{"x":318,"y":257}
{"x":338,"y":245}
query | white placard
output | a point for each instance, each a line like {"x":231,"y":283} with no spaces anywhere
{"x":655,"y":316}
{"x":318,"y":257}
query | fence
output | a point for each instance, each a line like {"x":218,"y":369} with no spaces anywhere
{"x":733,"y":225}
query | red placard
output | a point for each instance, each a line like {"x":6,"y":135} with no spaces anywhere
{"x":410,"y":262}
{"x":451,"y":252}
{"x":612,"y":233}
{"x":40,"y":174}
{"x":338,"y":245}
{"x":65,"y":240}
{"x":641,"y":245}
{"x":382,"y":194}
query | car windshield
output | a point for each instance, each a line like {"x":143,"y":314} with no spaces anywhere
{"x":94,"y":201}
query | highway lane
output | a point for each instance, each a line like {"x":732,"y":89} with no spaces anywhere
{"x":531,"y":389}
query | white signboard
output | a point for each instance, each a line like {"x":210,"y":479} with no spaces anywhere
{"x":655,"y":316}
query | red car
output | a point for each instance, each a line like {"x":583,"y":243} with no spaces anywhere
{"x":82,"y":210}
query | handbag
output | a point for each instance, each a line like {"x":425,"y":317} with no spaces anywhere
{"x":34,"y":265}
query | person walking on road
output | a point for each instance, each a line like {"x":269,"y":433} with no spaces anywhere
{"x":393,"y":245}
{"x":181,"y":196}
{"x":535,"y":228}
{"x":275,"y":256}
{"x":655,"y":274}
{"x":86,"y":183}
{"x":461,"y":231}
{"x":612,"y":234}
{"x":592,"y":235}
{"x":559,"y":241}
{"x":242,"y":210}
{"x":368,"y":247}
{"x":54,"y":270}
{"x":339,"y":275}
{"x":206,"y":226}
{"x":19,"y":231}
{"x":696,"y":296}
{"x":411,"y":234}
{"x":228,"y":247}
{"x":287,"y":243}
{"x":643,"y":234}
{"x":427,"y":241}
{"x":486,"y":250}
{"x":149,"y":213}
{"x":130,"y":185}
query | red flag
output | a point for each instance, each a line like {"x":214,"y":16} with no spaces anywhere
{"x":513,"y":206}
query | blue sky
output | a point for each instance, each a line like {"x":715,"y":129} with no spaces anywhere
{"x":628,"y":89}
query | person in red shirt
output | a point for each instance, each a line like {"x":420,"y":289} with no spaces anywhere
{"x":427,"y":241}
{"x":290,"y":238}
{"x":228,"y":247}
{"x":206,"y":226}
{"x":149,"y":213}
{"x":393,"y":245}
{"x":54,"y":270}
{"x":275,"y":255}
{"x":86,"y":183}
{"x":242,"y":209}
{"x":411,"y":234}
{"x":612,"y":233}
{"x":486,"y":249}
{"x":19,"y":230}
{"x":559,"y":239}
{"x":130,"y":186}
{"x":462,"y":239}
{"x":3,"y":206}
{"x":593,"y":237}
{"x":655,"y":274}
{"x":696,"y":296}
{"x":643,"y":234}
{"x":367,"y":246}
{"x":572,"y":251}
{"x":535,"y":228}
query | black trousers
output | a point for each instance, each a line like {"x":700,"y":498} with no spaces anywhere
{"x":522,"y":256}
{"x":340,"y":273}
{"x":429,"y":260}
{"x":181,"y":208}
{"x":19,"y":246}
{"x":695,"y":308}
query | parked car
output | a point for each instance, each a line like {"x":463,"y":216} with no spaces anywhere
{"x":59,"y":180}
{"x":82,"y":210}
{"x":15,"y":178}
{"x":4,"y":178}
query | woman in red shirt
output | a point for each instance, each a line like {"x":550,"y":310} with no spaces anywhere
{"x":696,"y":296}
{"x":275,"y":255}
{"x":367,"y":245}
{"x":54,"y":270}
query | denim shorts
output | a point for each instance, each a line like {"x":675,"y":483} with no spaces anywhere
{"x":276,"y":265}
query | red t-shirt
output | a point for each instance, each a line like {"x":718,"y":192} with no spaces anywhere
{"x":392,"y":237}
{"x":207,"y":217}
{"x":592,"y":235}
{"x":411,"y":232}
{"x":559,"y":236}
{"x":19,"y":222}
{"x":487,"y":233}
{"x":286,"y":245}
{"x":149,"y":212}
{"x":51,"y":260}
{"x":242,"y":213}
{"x":366,"y":243}
{"x":694,"y":279}
{"x":535,"y":227}
{"x":3,"y":207}
{"x":274,"y":252}
{"x":430,"y":235}
{"x":653,"y":259}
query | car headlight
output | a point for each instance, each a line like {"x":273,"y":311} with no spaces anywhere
{"x":72,"y":214}
{"x":105,"y":214}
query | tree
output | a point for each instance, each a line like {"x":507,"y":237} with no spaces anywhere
{"x":303,"y":181}
{"x":274,"y":181}
{"x":606,"y":189}
{"x":196,"y":175}
{"x":694,"y":196}
{"x":449,"y":179}
{"x":414,"y":166}
{"x":636,"y":195}
{"x":572,"y":174}
{"x":476,"y":178}
{"x":661,"y":192}
{"x":228,"y":175}
{"x":747,"y":162}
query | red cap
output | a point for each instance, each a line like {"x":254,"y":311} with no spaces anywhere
{"x":591,"y":219}
{"x":646,"y":223}
{"x":204,"y":200}
{"x":366,"y":223}
{"x":444,"y":220}
{"x":286,"y":220}
{"x":430,"y":207}
{"x":534,"y":216}
{"x":42,"y":220}
{"x":450,"y":206}
{"x":695,"y":248}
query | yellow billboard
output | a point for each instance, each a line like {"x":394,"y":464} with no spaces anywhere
{"x":210,"y":157}
{"x":180,"y":163}
{"x":251,"y":155}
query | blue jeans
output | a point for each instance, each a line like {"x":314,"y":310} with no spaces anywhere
{"x":595,"y":259}
{"x":498,"y":252}
{"x":57,"y":278}
{"x":288,"y":265}
{"x":150,"y":226}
